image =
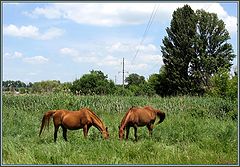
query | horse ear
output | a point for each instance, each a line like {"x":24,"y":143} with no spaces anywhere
{"x":106,"y":128}
{"x":118,"y":127}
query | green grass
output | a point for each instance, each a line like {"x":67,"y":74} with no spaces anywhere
{"x":197,"y":130}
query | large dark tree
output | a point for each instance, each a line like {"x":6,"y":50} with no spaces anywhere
{"x":178,"y":49}
{"x":212,"y":51}
{"x":194,"y":49}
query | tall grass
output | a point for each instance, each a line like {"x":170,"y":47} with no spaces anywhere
{"x":197,"y":130}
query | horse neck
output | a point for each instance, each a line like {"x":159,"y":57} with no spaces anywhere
{"x":97,"y":122}
{"x":125,"y":120}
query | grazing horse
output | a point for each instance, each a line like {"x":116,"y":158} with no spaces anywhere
{"x":74,"y":120}
{"x":137,"y":117}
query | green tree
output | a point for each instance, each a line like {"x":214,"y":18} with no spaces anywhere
{"x":135,"y":79}
{"x":46,"y":86}
{"x":159,"y":82}
{"x":94,"y":83}
{"x":232,"y":91}
{"x":212,"y":51}
{"x":66,"y":87}
{"x":177,"y":49}
{"x":222,"y":84}
{"x":13,"y":85}
{"x":16,"y":84}
{"x":144,"y":89}
{"x":219,"y":83}
{"x":195,"y":48}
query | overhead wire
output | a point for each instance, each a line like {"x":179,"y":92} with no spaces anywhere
{"x":150,"y":21}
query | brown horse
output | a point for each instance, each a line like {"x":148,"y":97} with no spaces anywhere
{"x":137,"y":117}
{"x":83,"y":118}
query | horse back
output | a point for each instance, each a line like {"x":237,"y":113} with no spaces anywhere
{"x":76,"y":119}
{"x":141,"y":116}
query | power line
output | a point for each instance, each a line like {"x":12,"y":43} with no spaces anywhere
{"x":150,"y":21}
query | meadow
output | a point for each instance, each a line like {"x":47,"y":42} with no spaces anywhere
{"x":196,"y":130}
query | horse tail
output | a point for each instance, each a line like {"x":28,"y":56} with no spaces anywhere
{"x":45,"y":119}
{"x":161,"y":116}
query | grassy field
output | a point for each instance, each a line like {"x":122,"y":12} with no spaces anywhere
{"x":197,"y":130}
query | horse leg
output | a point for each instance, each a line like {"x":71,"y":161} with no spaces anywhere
{"x":64,"y":132}
{"x":85,"y":130}
{"x":135,"y":132}
{"x":150,"y":128}
{"x":55,"y":132}
{"x":127,"y":131}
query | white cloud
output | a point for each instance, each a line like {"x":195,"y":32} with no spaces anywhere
{"x":119,"y":47}
{"x":147,"y":48}
{"x":150,"y":58}
{"x":231,"y":24}
{"x":88,"y":57}
{"x":15,"y":55}
{"x":133,"y":68}
{"x":35,"y":60}
{"x":69,"y":51}
{"x":23,"y":31}
{"x":115,"y":14}
{"x":31,"y":60}
{"x":102,"y":14}
{"x":76,"y":56}
{"x":108,"y":61}
{"x":49,"y":12}
{"x":111,"y":55}
{"x":31,"y":32}
{"x":130,"y":47}
{"x":51,"y":33}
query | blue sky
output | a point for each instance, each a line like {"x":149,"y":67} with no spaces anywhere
{"x":63,"y":41}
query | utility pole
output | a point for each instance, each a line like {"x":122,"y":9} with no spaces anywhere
{"x":123,"y":72}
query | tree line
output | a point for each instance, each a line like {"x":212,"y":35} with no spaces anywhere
{"x":197,"y":61}
{"x":222,"y":84}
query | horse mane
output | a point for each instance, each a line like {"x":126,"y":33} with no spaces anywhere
{"x":92,"y":112}
{"x":125,"y":116}
{"x":95,"y":116}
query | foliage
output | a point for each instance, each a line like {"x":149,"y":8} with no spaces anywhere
{"x":212,"y":51}
{"x":10,"y":85}
{"x":120,"y":91}
{"x":177,"y":50}
{"x":223,"y":86}
{"x":46,"y":86}
{"x":232,"y":91}
{"x":135,"y":79}
{"x":138,"y":85}
{"x":197,"y":130}
{"x":159,"y":82}
{"x":142,"y":90}
{"x":94,"y":83}
{"x":195,"y":48}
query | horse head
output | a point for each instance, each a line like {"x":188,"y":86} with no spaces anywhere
{"x":121,"y":133}
{"x":105,"y":133}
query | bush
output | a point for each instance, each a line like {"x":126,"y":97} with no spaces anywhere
{"x":221,"y":85}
